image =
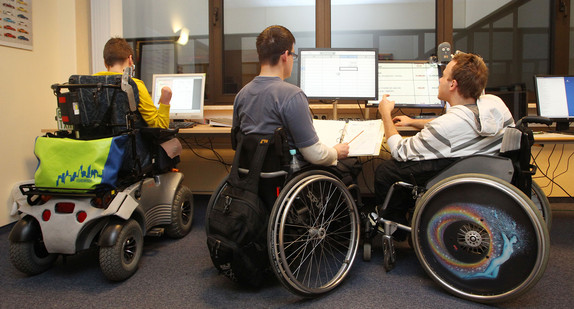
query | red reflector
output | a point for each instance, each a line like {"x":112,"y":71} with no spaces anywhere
{"x":61,"y":99}
{"x":46,"y":215}
{"x":65,"y":207}
{"x":81,"y":216}
{"x":65,"y":119}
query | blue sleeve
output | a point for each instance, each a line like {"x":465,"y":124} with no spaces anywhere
{"x":299,"y":121}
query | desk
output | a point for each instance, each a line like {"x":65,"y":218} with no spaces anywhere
{"x":553,"y":138}
{"x":202,"y":129}
{"x":205,"y":129}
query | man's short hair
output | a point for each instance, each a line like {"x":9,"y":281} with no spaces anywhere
{"x":272,"y":42}
{"x":470,"y":73}
{"x":116,"y":50}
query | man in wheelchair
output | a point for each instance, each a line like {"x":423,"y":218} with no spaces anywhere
{"x":474,"y":124}
{"x":267,"y":102}
{"x":272,"y":117}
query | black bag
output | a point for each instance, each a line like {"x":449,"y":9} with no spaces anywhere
{"x":237,"y":223}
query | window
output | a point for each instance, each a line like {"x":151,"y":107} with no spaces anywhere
{"x":245,"y":19}
{"x":167,"y":36}
{"x":511,"y":36}
{"x":400,"y":30}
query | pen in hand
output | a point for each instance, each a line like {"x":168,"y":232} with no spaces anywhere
{"x":355,"y":137}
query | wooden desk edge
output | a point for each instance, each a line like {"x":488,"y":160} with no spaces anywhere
{"x":207,"y":129}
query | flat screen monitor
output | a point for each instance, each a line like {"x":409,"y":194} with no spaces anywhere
{"x":188,"y":91}
{"x":338,"y":74}
{"x":409,"y":83}
{"x":555,"y":99}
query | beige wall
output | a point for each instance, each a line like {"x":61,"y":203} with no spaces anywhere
{"x":61,"y":48}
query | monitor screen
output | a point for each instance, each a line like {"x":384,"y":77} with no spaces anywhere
{"x":187,"y":94}
{"x":555,"y":96}
{"x":409,"y":84}
{"x":330,"y":73}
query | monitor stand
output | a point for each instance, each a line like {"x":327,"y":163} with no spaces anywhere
{"x":563,"y":127}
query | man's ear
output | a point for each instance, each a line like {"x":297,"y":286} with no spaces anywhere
{"x":284,"y":56}
{"x":131,"y":60}
{"x":453,"y":84}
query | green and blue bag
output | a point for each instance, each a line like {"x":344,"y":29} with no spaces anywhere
{"x":79,"y":164}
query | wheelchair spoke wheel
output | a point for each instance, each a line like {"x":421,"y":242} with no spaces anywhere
{"x":480,"y":238}
{"x":313,"y":233}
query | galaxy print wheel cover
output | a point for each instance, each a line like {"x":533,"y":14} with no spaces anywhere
{"x":493,"y":244}
{"x":475,"y":237}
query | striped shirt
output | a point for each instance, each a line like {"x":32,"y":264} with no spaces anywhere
{"x":462,"y":131}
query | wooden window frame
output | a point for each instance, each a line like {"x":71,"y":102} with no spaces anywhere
{"x":559,"y":43}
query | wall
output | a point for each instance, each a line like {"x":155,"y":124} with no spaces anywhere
{"x":61,"y":34}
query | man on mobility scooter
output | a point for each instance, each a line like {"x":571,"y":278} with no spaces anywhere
{"x":104,"y":184}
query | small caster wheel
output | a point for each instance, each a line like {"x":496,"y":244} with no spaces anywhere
{"x":388,"y":253}
{"x":367,"y":250}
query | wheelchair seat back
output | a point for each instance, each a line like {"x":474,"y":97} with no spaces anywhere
{"x":277,"y":156}
{"x":97,"y":106}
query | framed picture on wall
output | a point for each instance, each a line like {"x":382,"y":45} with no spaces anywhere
{"x":16,"y":23}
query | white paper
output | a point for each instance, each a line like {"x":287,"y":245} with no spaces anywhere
{"x":364,"y":136}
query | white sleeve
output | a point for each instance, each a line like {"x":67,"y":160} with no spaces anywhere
{"x":319,"y":154}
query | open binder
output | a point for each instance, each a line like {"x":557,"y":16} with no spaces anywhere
{"x":364,"y":136}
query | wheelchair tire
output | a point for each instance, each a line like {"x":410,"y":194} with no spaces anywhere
{"x":367,"y":251}
{"x":31,"y":257}
{"x":121,"y":260}
{"x":181,"y":213}
{"x":542,"y":203}
{"x":214,"y":197}
{"x":313,"y":233}
{"x":464,"y":230}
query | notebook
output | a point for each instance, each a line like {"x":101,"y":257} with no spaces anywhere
{"x":220,"y":122}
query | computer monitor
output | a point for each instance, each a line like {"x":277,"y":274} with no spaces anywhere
{"x":188,"y":91}
{"x":555,"y":99}
{"x":338,"y":73}
{"x":409,"y":83}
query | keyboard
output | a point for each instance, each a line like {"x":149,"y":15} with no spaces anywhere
{"x":425,"y":116}
{"x":181,"y":124}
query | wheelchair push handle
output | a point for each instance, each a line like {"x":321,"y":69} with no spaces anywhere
{"x":534,"y":119}
{"x":57,"y":87}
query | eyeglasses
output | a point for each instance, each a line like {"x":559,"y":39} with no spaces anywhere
{"x":295,"y":56}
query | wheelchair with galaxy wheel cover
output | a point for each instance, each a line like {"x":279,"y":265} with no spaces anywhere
{"x":107,"y":181}
{"x":480,"y":227}
{"x":314,"y":225}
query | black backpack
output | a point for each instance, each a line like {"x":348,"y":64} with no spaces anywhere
{"x":237,"y":223}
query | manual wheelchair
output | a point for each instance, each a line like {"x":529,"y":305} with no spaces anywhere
{"x":141,"y":195}
{"x":479,"y":227}
{"x":314,"y":225}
